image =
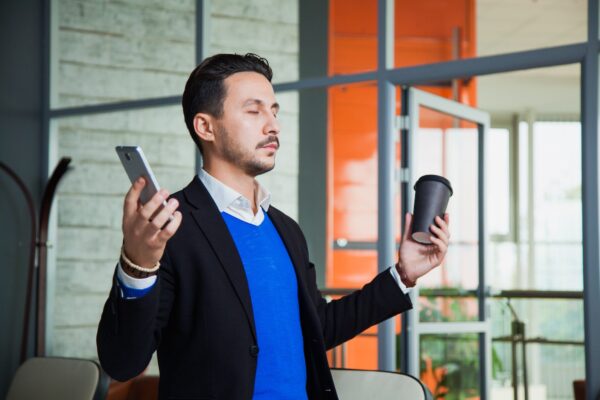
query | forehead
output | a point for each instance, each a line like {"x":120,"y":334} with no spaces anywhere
{"x":244,"y":85}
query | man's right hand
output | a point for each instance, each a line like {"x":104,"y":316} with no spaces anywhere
{"x":143,"y":239}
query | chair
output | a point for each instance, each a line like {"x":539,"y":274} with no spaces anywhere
{"x":353,"y":384}
{"x":54,"y":378}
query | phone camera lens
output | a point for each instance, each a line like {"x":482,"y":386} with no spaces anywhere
{"x":127,"y":156}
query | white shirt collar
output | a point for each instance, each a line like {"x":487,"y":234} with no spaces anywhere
{"x":226,"y":197}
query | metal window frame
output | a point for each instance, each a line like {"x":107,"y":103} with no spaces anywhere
{"x":589,"y":177}
{"x":387,"y":78}
{"x":414,"y":328}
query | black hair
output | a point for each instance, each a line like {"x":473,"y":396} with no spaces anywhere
{"x":205,"y":92}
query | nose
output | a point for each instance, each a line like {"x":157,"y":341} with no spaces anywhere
{"x":272,"y":127}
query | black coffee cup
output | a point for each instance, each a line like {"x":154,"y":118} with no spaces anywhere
{"x":432,"y":193}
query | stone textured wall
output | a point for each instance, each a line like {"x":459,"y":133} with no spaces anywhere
{"x":116,"y":50}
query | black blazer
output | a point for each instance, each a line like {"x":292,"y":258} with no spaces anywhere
{"x":199,"y":315}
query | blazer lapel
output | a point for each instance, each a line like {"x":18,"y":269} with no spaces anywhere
{"x":212,"y":225}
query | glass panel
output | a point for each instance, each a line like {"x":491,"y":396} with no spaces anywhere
{"x":557,"y":212}
{"x":448,"y":147}
{"x":352,"y":202}
{"x":450,"y":365}
{"x":353,"y":140}
{"x":352,"y":268}
{"x":554,"y":351}
{"x":431,"y":31}
{"x":551,"y":377}
{"x":268,"y":28}
{"x":425,"y":31}
{"x":116,"y":51}
{"x":543,"y":251}
{"x":540,"y":252}
{"x":352,"y":36}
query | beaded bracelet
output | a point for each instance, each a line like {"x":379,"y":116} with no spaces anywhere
{"x":136,"y":270}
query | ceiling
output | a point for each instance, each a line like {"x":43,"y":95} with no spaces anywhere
{"x":512,"y":25}
{"x":505,"y":26}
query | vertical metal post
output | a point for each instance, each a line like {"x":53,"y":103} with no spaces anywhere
{"x":404,"y":200}
{"x":514,"y":171}
{"x":41,"y":323}
{"x":524,"y":360}
{"x":513,"y":352}
{"x":202,"y":25}
{"x":386,"y":246}
{"x":591,"y":234}
{"x":484,"y":340}
{"x":314,"y":147}
{"x":531,"y":212}
{"x":386,"y":146}
{"x":45,"y":126}
{"x":413,"y":337}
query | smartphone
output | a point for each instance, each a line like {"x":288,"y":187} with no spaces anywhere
{"x":135,"y":164}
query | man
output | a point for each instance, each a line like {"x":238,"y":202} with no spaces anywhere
{"x":219,"y":281}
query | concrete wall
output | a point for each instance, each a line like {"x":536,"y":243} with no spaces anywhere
{"x":118,"y":50}
{"x":113,"y":51}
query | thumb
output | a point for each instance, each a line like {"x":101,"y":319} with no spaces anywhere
{"x":133,"y":195}
{"x":407,"y":226}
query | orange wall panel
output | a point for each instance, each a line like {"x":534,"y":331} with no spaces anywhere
{"x":423,"y":34}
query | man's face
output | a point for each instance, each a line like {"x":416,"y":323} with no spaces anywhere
{"x":246,"y":135}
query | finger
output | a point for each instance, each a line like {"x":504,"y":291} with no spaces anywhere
{"x":443,"y":225}
{"x":169,"y":230}
{"x":441,"y":245}
{"x":407,"y":226}
{"x":133,"y":196}
{"x":152,"y":206}
{"x":439,"y":233}
{"x":163,"y":216}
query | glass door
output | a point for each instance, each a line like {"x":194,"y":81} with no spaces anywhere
{"x":447,"y":342}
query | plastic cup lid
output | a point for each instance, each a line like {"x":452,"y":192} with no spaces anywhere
{"x":437,"y":178}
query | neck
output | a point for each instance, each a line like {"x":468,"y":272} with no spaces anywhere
{"x":235,"y":178}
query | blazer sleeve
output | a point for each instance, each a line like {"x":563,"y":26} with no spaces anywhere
{"x":130,"y":330}
{"x":344,"y":318}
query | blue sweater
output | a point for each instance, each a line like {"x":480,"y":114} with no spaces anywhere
{"x":281,"y":368}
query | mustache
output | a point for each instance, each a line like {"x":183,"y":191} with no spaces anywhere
{"x":268,"y":141}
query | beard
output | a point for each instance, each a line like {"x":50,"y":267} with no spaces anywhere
{"x":247,"y":160}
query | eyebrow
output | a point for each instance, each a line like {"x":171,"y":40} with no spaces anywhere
{"x":260,"y":103}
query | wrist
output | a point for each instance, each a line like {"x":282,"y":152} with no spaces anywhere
{"x":134,"y":270}
{"x":404,"y":276}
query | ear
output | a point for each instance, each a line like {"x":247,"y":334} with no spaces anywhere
{"x":204,"y":127}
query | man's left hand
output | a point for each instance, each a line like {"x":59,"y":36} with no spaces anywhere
{"x":416,"y":259}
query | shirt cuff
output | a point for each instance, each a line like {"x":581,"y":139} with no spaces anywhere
{"x":398,"y":280}
{"x":132,"y":288}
